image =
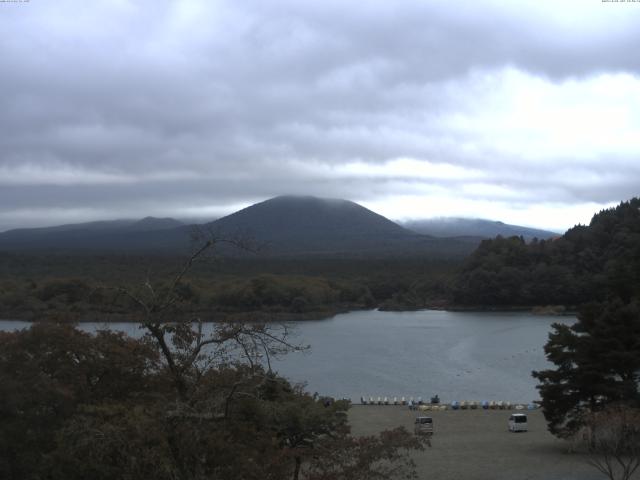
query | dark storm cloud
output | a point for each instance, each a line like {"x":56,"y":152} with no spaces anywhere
{"x":127,"y":108}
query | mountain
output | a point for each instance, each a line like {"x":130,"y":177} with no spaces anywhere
{"x":98,"y":226}
{"x":108,"y":236}
{"x":284,"y":225}
{"x":474,"y":227}
{"x":104,"y":226}
{"x":310,"y":224}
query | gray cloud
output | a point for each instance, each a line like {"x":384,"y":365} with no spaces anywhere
{"x":148,"y":107}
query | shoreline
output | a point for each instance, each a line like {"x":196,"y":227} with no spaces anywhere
{"x":266,"y":317}
{"x":207,"y":317}
{"x":548,"y":310}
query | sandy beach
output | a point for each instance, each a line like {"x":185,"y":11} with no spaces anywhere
{"x":476,"y":445}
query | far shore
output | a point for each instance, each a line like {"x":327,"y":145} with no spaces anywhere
{"x":550,"y":310}
{"x":261,"y":316}
{"x":207,"y":317}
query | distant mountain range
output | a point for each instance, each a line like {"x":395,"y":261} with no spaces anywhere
{"x":282,"y":226}
{"x":121,"y":236}
{"x":143,"y":225}
{"x":474,"y":227}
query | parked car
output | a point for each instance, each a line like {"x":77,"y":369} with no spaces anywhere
{"x":423,"y":426}
{"x":518,"y":422}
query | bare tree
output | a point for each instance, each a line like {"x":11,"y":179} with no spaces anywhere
{"x":612,"y":440}
{"x":187,"y":346}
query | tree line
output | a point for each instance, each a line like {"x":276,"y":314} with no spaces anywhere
{"x":259,"y":288}
{"x":587,"y":263}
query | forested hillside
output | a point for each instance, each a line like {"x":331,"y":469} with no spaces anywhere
{"x":54,"y":286}
{"x":588,"y":263}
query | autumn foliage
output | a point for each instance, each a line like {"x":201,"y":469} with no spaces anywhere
{"x":104,"y":406}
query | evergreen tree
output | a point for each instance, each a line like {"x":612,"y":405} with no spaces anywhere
{"x":588,"y":263}
{"x":597,"y":363}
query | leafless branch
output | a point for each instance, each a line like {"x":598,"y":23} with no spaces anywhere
{"x":612,"y":438}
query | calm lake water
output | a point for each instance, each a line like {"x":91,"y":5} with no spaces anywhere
{"x":457,"y":355}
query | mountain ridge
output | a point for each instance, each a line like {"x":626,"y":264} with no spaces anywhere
{"x":312,"y":224}
{"x":286,"y":225}
{"x":143,"y":224}
{"x":477,"y":227}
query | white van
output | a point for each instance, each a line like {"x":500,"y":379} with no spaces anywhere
{"x":518,"y":422}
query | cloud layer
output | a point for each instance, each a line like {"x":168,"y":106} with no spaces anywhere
{"x":528,"y":113}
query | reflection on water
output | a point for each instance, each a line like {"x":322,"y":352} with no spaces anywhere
{"x":458,"y":355}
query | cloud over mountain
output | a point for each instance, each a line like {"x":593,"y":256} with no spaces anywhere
{"x":415,"y":109}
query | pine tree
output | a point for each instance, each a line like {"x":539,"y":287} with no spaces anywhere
{"x":597,"y":363}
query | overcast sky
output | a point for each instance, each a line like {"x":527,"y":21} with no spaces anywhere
{"x":526,"y":112}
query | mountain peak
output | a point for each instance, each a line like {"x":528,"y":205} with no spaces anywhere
{"x":306,"y":201}
{"x":305,"y":223}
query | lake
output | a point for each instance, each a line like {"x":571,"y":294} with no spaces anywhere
{"x":457,"y":355}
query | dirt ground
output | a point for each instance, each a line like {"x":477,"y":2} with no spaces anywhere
{"x":476,"y":445}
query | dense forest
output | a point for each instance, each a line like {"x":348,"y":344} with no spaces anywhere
{"x":79,"y":288}
{"x":586,"y":264}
